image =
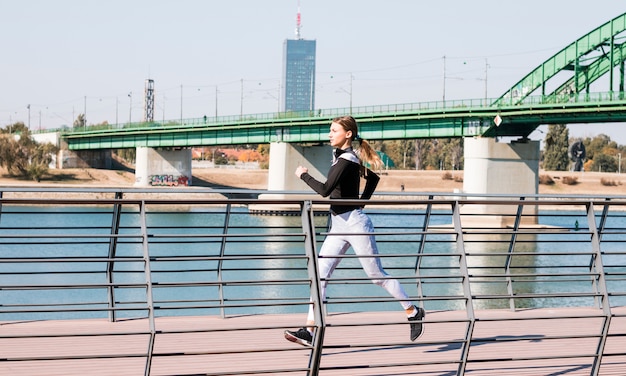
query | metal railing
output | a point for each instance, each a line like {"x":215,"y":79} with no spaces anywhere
{"x":473,"y":104}
{"x":121,"y":254}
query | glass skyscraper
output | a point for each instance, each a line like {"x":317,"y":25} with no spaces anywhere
{"x":299,"y":75}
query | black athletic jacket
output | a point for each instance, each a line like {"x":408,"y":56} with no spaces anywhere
{"x":344,"y":180}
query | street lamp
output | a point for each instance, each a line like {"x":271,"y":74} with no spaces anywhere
{"x":181,"y":104}
{"x":348,"y":92}
{"x":216,"y":91}
{"x":269,"y":94}
{"x":117,"y":119}
{"x":130,"y":107}
{"x":445,"y":77}
{"x":85,"y":114}
{"x":241,"y":100}
{"x":216,"y":102}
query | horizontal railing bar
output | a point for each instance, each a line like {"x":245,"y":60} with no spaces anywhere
{"x":437,"y":256}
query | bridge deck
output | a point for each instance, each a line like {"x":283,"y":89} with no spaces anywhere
{"x":527,"y":342}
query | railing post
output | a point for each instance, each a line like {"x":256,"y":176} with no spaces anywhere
{"x":467,"y":292}
{"x":308,"y":227}
{"x":422,"y":245}
{"x":115,"y":229}
{"x":509,"y":258}
{"x":598,"y":269}
{"x":148,"y":280}
{"x":220,"y":261}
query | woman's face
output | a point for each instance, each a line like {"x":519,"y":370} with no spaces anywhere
{"x":338,"y":136}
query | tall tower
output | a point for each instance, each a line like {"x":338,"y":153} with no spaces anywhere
{"x":298,"y":91}
{"x":149,"y":101}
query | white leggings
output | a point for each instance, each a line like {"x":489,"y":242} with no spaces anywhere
{"x":355,"y":221}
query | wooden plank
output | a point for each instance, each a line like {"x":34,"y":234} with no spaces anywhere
{"x":525,"y":342}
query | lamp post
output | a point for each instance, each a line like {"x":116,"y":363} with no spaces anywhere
{"x":181,"y":104}
{"x":28,"y":107}
{"x":486,"y":69}
{"x":85,"y":113}
{"x":444,"y":80}
{"x":164,"y":99}
{"x":351,"y":78}
{"x":269,"y":94}
{"x":445,"y":77}
{"x":130,"y":107}
{"x":348,"y":92}
{"x":241,"y":100}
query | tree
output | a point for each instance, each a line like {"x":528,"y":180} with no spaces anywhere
{"x":604,"y":163}
{"x":598,"y":145}
{"x":453,"y":153}
{"x":420,"y":146}
{"x":80,"y":121}
{"x":23,"y":156}
{"x":399,"y":151}
{"x":555,"y":152}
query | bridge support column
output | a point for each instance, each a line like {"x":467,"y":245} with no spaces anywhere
{"x":162,"y":167}
{"x":499,"y":168}
{"x":284,"y":159}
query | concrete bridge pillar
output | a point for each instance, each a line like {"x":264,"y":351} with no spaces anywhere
{"x":500,"y":168}
{"x":158,"y":167}
{"x":284,"y":159}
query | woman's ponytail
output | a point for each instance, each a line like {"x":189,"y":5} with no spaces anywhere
{"x":368,"y":155}
{"x":365,"y":152}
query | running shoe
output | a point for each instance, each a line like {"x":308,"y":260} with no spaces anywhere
{"x":302,"y":337}
{"x":417,"y":327}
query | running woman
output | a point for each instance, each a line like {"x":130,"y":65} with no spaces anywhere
{"x":343,"y":183}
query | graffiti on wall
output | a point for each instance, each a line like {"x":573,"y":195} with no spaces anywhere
{"x":168,"y":180}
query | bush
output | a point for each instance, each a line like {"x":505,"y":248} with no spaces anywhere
{"x":446,"y":176}
{"x":546,"y":180}
{"x":609,"y":183}
{"x":570,"y":180}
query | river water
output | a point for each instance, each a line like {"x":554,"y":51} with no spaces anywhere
{"x":543,"y":263}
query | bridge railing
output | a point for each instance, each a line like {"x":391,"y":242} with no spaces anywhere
{"x":146,"y":254}
{"x":329,"y":113}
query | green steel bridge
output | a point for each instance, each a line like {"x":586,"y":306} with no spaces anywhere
{"x":558,"y":91}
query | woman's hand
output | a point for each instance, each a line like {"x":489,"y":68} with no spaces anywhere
{"x":301,"y":170}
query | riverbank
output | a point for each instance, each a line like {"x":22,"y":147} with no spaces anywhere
{"x":586,"y":183}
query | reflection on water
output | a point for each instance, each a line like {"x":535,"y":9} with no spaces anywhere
{"x":257,"y":264}
{"x":499,"y":265}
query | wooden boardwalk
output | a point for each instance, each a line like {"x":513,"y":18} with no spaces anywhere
{"x":559,"y":341}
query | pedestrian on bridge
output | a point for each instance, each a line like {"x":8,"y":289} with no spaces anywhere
{"x":343,"y":183}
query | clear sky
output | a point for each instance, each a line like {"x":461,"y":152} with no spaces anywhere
{"x":63,"y":57}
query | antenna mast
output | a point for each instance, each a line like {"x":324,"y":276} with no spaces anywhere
{"x":149,"y":101}
{"x":298,"y":22}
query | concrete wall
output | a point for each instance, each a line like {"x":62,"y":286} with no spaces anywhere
{"x":85,"y":159}
{"x":45,"y":138}
{"x":162,"y":167}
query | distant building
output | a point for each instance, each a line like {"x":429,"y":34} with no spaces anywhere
{"x":298,"y":92}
